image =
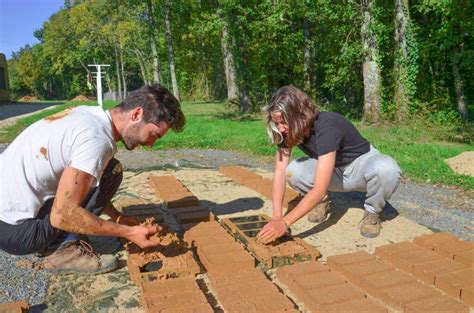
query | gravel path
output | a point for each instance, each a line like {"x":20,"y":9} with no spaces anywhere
{"x":439,"y":208}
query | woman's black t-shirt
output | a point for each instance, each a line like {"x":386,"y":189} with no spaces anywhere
{"x":333,"y":132}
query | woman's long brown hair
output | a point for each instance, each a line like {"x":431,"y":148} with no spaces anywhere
{"x":298,"y":111}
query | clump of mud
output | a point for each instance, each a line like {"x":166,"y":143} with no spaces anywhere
{"x":168,"y":245}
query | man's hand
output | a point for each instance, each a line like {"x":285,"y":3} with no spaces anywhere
{"x":272,"y":231}
{"x":140,"y":234}
{"x":127,"y":220}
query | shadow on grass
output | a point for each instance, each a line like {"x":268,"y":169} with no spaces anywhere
{"x":340,"y":204}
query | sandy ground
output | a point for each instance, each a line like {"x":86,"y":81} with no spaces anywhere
{"x":462,"y":163}
{"x":115,"y":292}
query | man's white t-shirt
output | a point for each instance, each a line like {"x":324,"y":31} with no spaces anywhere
{"x":31,"y":166}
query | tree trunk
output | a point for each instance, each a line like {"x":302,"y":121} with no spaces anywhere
{"x":458,"y":84}
{"x":405,"y":59}
{"x":154,"y":50}
{"x":307,"y":57}
{"x":169,"y":39}
{"x":124,"y":81}
{"x":117,"y":66}
{"x":371,"y":70}
{"x":229,"y":67}
{"x":141,"y":62}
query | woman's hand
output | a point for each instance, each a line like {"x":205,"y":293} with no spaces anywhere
{"x":272,"y":231}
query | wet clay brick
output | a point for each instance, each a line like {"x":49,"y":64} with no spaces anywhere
{"x":179,"y":300}
{"x":15,"y":307}
{"x":355,"y":306}
{"x":332,"y":294}
{"x":467,"y":295}
{"x":182,"y":202}
{"x":355,"y":271}
{"x":453,"y":282}
{"x":336,"y":262}
{"x":374,"y":284}
{"x":398,"y":296}
{"x":238,"y":277}
{"x":386,"y":251}
{"x":441,"y":304}
{"x":432,"y":241}
{"x":406,"y":261}
{"x":300,"y":269}
{"x":260,"y":304}
{"x":170,"y":286}
{"x":227,"y":262}
{"x":247,"y":290}
{"x":318,"y":280}
{"x":465,"y":257}
{"x":427,"y":272}
{"x":219,"y":248}
{"x":450,"y":249}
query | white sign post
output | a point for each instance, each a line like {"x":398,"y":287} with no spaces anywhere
{"x":99,"y":81}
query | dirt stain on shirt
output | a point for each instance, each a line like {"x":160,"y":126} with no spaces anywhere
{"x":58,"y":115}
{"x":44,"y":152}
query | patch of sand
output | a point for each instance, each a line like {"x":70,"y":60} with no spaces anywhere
{"x":462,"y":163}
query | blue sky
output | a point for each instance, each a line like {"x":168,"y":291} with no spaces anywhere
{"x":20,"y":18}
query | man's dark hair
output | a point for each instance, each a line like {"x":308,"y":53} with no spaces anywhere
{"x":159,"y":105}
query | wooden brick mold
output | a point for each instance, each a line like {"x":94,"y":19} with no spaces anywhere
{"x":174,"y":295}
{"x":15,"y":307}
{"x":259,"y":184}
{"x":287,"y":250}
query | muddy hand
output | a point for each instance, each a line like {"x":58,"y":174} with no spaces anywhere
{"x":272,"y":231}
{"x":140,"y":235}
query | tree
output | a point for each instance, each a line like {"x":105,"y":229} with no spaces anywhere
{"x":169,"y":38}
{"x":371,"y":70}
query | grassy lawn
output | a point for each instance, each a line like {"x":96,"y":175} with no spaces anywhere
{"x":419,"y":149}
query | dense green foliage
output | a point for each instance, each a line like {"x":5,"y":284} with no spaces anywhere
{"x":420,"y":148}
{"x":268,"y":40}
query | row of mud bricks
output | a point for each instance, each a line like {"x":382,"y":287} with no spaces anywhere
{"x":435,"y":273}
{"x":432,"y":274}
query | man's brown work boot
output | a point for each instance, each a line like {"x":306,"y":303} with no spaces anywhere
{"x":370,"y":225}
{"x":320,"y":212}
{"x":78,"y":257}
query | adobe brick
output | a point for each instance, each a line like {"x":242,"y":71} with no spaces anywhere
{"x":465,"y":257}
{"x":15,"y":307}
{"x":406,"y":261}
{"x":432,"y":241}
{"x":246,"y":290}
{"x":375,"y":283}
{"x":450,"y":249}
{"x":170,"y":286}
{"x":240,"y":276}
{"x":336,"y":262}
{"x":321,"y":297}
{"x":439,"y":304}
{"x":261,"y":304}
{"x":183,"y":202}
{"x":300,"y":268}
{"x":318,"y":280}
{"x":399,"y":295}
{"x":453,"y":282}
{"x":227,"y":262}
{"x":386,"y":251}
{"x":355,"y":271}
{"x":467,"y":295}
{"x":219,"y":248}
{"x":354,"y":306}
{"x":175,"y":300}
{"x":428,"y":271}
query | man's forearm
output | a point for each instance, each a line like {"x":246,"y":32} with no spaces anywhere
{"x":79,"y":220}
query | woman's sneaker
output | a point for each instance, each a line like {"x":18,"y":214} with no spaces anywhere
{"x":78,"y":257}
{"x":320,"y":212}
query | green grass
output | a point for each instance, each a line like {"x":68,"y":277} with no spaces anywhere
{"x":419,"y":150}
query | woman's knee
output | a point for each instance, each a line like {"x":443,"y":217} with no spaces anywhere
{"x":297,"y":173}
